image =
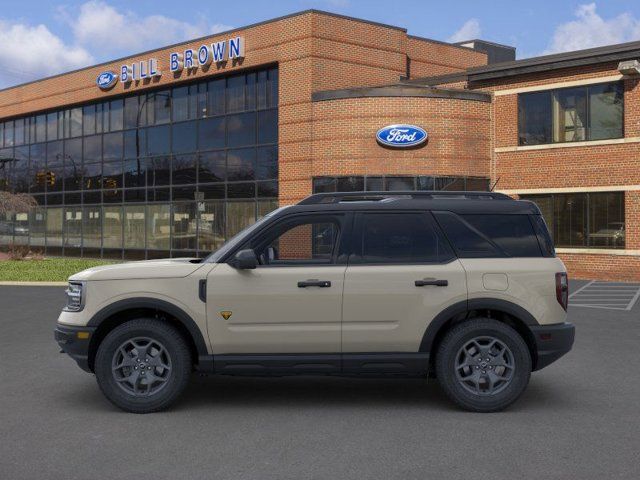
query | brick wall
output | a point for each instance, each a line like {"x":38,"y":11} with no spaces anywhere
{"x":430,"y":58}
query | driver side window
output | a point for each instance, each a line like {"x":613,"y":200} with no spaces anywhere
{"x":302,"y":242}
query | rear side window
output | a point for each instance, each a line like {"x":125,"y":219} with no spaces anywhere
{"x":544,"y":239}
{"x":514,"y":234}
{"x":468,"y":242}
{"x":394,"y":238}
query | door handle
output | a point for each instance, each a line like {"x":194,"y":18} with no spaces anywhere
{"x":431,"y":281}
{"x":314,"y":283}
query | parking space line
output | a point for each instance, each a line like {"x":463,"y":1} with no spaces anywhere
{"x":606,"y":295}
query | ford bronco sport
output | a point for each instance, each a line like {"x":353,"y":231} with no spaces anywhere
{"x":463,"y":286}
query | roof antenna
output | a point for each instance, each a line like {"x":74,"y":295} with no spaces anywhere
{"x":494,"y":185}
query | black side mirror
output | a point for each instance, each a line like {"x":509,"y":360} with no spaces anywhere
{"x":244,"y":260}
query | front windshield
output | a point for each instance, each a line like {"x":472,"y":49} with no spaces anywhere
{"x":239,"y":238}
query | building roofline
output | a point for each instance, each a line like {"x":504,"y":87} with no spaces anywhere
{"x":436,"y":79}
{"x":226,"y":32}
{"x":501,"y":45}
{"x":400,"y":90}
{"x":441,"y":42}
{"x":589,"y":56}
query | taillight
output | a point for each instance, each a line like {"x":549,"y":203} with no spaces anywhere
{"x":562,"y":289}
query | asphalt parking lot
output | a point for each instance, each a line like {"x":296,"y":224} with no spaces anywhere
{"x":578,"y":419}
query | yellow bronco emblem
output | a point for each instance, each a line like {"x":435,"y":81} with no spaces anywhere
{"x":225,"y":314}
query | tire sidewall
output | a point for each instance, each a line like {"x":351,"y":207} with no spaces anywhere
{"x":178,"y":376}
{"x":457,"y":338}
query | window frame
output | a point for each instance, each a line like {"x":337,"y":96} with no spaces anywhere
{"x":552,"y":93}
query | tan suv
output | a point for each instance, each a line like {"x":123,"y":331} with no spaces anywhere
{"x":462,"y":286}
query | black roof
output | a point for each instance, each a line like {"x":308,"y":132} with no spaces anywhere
{"x":589,"y":56}
{"x":457,"y":202}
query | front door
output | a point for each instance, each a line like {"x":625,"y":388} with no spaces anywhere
{"x":292,"y":302}
{"x":402,"y":273}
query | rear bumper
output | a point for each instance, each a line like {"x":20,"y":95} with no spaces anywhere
{"x":552,"y":342}
{"x":75,"y":345}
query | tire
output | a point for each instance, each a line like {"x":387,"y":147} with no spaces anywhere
{"x":483,"y":365}
{"x":143,"y":365}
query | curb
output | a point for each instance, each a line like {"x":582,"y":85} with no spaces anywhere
{"x":33,"y":284}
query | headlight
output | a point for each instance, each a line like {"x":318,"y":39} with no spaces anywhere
{"x":75,"y":300}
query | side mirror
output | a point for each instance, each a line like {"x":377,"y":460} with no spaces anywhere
{"x":244,"y":260}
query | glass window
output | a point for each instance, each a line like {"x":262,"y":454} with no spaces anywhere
{"x":534,"y":118}
{"x":92,"y":176}
{"x":576,"y":114}
{"x":8,"y":134}
{"x":210,"y":226}
{"x":162,"y":107}
{"x":54,"y":227}
{"x":211,"y":133}
{"x":158,"y":226}
{"x":570,"y":115}
{"x":514,"y":234}
{"x":75,"y":122}
{"x":241,"y":129}
{"x":267,"y":163}
{"x":112,"y":146}
{"x":183,"y":137}
{"x":159,"y":171}
{"x":102,"y":117}
{"x":92,"y":227}
{"x":131,"y":112}
{"x":350,"y":184}
{"x":605,"y":111}
{"x":184,"y":170}
{"x":184,"y":226}
{"x":399,"y":183}
{"x":112,"y":230}
{"x":216,"y":94}
{"x":134,"y":224}
{"x":301,"y":242}
{"x":112,"y":175}
{"x":324,"y":185}
{"x":92,"y":148}
{"x":241,"y":164}
{"x":240,"y":215}
{"x":135,"y":173}
{"x":468,"y":242}
{"x":73,"y":227}
{"x":272,"y":88}
{"x":158,"y":140}
{"x":180,"y":104}
{"x":235,"y":93}
{"x":580,"y":220}
{"x":19,"y":131}
{"x":52,"y":126}
{"x":41,"y":128}
{"x":116,"y":115}
{"x":268,"y":126}
{"x":400,"y":238}
{"x":250,"y":91}
{"x":37,"y":226}
{"x":89,"y":116}
{"x":211,"y":167}
{"x":241,"y":190}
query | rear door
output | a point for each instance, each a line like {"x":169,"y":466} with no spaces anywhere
{"x":401,"y":274}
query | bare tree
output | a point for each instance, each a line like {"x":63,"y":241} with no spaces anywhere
{"x":16,"y":202}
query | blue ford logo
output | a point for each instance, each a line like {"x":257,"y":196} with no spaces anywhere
{"x":401,"y":136}
{"x":106,"y":80}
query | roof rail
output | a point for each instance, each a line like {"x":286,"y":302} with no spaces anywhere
{"x":323,"y":198}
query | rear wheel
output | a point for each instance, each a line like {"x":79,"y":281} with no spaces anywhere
{"x":143,"y":365}
{"x":483,"y":365}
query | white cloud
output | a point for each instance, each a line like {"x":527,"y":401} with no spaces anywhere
{"x":108,"y":31}
{"x":591,"y":30}
{"x":469,"y":31}
{"x":29,"y":52}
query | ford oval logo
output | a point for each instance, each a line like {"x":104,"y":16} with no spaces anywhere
{"x":106,"y":80}
{"x":401,"y":136}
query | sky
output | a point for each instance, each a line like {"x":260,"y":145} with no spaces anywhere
{"x":39,"y":38}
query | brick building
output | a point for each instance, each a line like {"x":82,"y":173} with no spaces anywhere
{"x":171,"y":151}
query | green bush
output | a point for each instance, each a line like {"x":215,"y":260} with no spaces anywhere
{"x":47,"y":270}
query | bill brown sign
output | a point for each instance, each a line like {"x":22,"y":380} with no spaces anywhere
{"x":189,"y":59}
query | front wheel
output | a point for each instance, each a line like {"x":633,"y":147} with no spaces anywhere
{"x":483,"y":365}
{"x":143,"y":365}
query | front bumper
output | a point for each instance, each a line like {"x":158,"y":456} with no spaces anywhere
{"x":552,"y":342}
{"x":75,"y":341}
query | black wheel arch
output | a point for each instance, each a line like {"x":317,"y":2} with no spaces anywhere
{"x":119,"y":312}
{"x":503,"y":310}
